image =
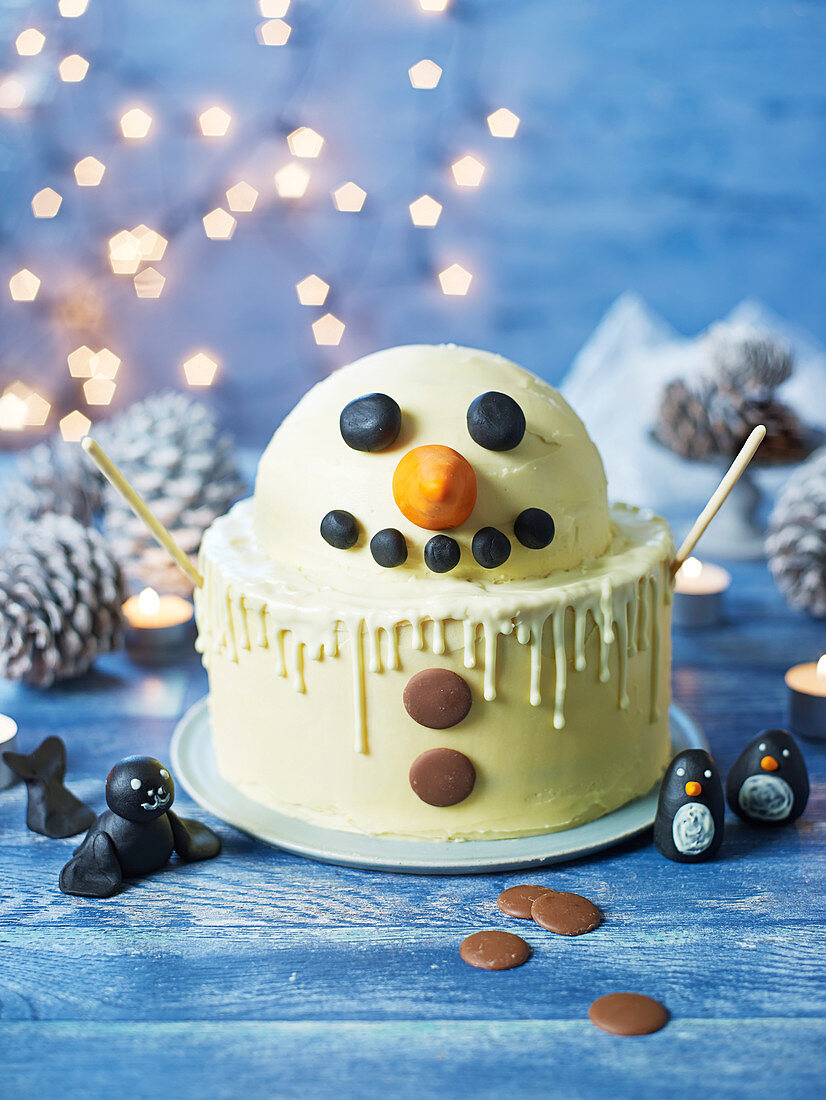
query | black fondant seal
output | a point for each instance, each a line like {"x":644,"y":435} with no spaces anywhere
{"x":137,"y":834}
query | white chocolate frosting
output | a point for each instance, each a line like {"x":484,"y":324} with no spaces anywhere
{"x":308,"y":469}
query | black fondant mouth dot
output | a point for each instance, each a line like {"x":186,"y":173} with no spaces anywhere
{"x":534,"y":528}
{"x":340,"y":529}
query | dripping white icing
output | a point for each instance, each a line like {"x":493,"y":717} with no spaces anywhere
{"x":621,"y":595}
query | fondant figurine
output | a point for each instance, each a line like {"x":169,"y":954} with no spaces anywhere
{"x":768,"y":783}
{"x":137,"y":834}
{"x":52,"y":810}
{"x":689,"y":823}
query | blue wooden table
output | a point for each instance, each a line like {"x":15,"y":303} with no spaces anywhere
{"x":262,"y":974}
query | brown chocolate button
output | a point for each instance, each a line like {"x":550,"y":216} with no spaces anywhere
{"x":628,"y":1014}
{"x":494,"y":950}
{"x":566,"y":914}
{"x":516,"y":901}
{"x":442,"y":777}
{"x":437,"y":698}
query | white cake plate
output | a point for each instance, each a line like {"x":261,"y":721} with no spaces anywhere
{"x":193,"y":762}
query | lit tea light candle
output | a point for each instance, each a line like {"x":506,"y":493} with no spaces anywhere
{"x":699,"y":589}
{"x":8,"y":743}
{"x":157,"y":626}
{"x":807,"y":699}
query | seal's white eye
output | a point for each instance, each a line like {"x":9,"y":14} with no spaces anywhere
{"x":786,"y":752}
{"x":135,"y":784}
{"x":762,"y":747}
{"x":680,"y":771}
{"x":164,"y":773}
{"x":707,"y":774}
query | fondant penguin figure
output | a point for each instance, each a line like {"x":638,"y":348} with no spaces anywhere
{"x":689,"y":823}
{"x":137,"y":834}
{"x":768,"y":783}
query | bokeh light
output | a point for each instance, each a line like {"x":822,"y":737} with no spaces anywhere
{"x":292,"y":181}
{"x":242,"y":197}
{"x":46,"y":203}
{"x":425,"y":211}
{"x":503,"y":123}
{"x":455,"y":280}
{"x":74,"y":426}
{"x":71,"y":9}
{"x":214,"y":122}
{"x":98,"y":390}
{"x":200,"y":369}
{"x":275,"y":32}
{"x":24,"y":286}
{"x":149,"y":283}
{"x":328,"y":330}
{"x":467,"y":171}
{"x":135,"y":124}
{"x":89,"y":172}
{"x":219,"y":224}
{"x":12,"y":93}
{"x":29,"y":42}
{"x":349,"y":198}
{"x":73,"y":68}
{"x":312,"y":291}
{"x":425,"y":74}
{"x":305,"y":142}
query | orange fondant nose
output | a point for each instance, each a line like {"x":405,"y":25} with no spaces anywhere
{"x":692,"y":789}
{"x":769,"y":764}
{"x":434,"y":487}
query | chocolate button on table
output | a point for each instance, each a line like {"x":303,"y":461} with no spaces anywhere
{"x":261,"y":974}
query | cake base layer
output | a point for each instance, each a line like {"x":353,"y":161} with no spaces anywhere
{"x":568,"y":679}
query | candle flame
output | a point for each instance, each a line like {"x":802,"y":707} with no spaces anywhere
{"x":149,"y":602}
{"x":821,"y":668}
{"x":692,"y":567}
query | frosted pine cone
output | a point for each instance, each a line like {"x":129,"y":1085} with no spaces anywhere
{"x":169,"y":447}
{"x":61,"y":593}
{"x":746,"y":358}
{"x":796,"y":542}
{"x":52,"y":478}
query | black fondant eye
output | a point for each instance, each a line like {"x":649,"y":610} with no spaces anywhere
{"x":496,"y":422}
{"x":370,"y":423}
{"x":534,"y":528}
{"x":490,"y":547}
{"x":340,"y":529}
{"x":389,"y":548}
{"x":441,"y":554}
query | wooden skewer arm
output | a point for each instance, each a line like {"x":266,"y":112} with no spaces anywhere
{"x":731,"y":478}
{"x":138,"y":505}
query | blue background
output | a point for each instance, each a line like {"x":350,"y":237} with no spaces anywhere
{"x":679,"y":149}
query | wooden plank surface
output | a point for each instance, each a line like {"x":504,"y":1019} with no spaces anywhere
{"x":262,"y":974}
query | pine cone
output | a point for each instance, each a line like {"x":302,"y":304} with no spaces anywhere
{"x":52,"y":478}
{"x":168,"y":446}
{"x":796,"y":541}
{"x":61,"y":593}
{"x":746,"y":358}
{"x":712,"y":421}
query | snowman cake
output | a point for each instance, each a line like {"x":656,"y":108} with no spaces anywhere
{"x":428,"y":621}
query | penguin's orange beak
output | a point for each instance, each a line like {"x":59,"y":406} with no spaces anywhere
{"x":769,"y":764}
{"x":692,"y":789}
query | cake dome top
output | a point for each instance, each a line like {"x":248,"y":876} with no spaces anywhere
{"x":458,"y":459}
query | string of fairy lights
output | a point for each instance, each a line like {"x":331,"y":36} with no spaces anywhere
{"x":138,"y":253}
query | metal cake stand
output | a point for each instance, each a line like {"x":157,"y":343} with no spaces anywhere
{"x":193,"y":762}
